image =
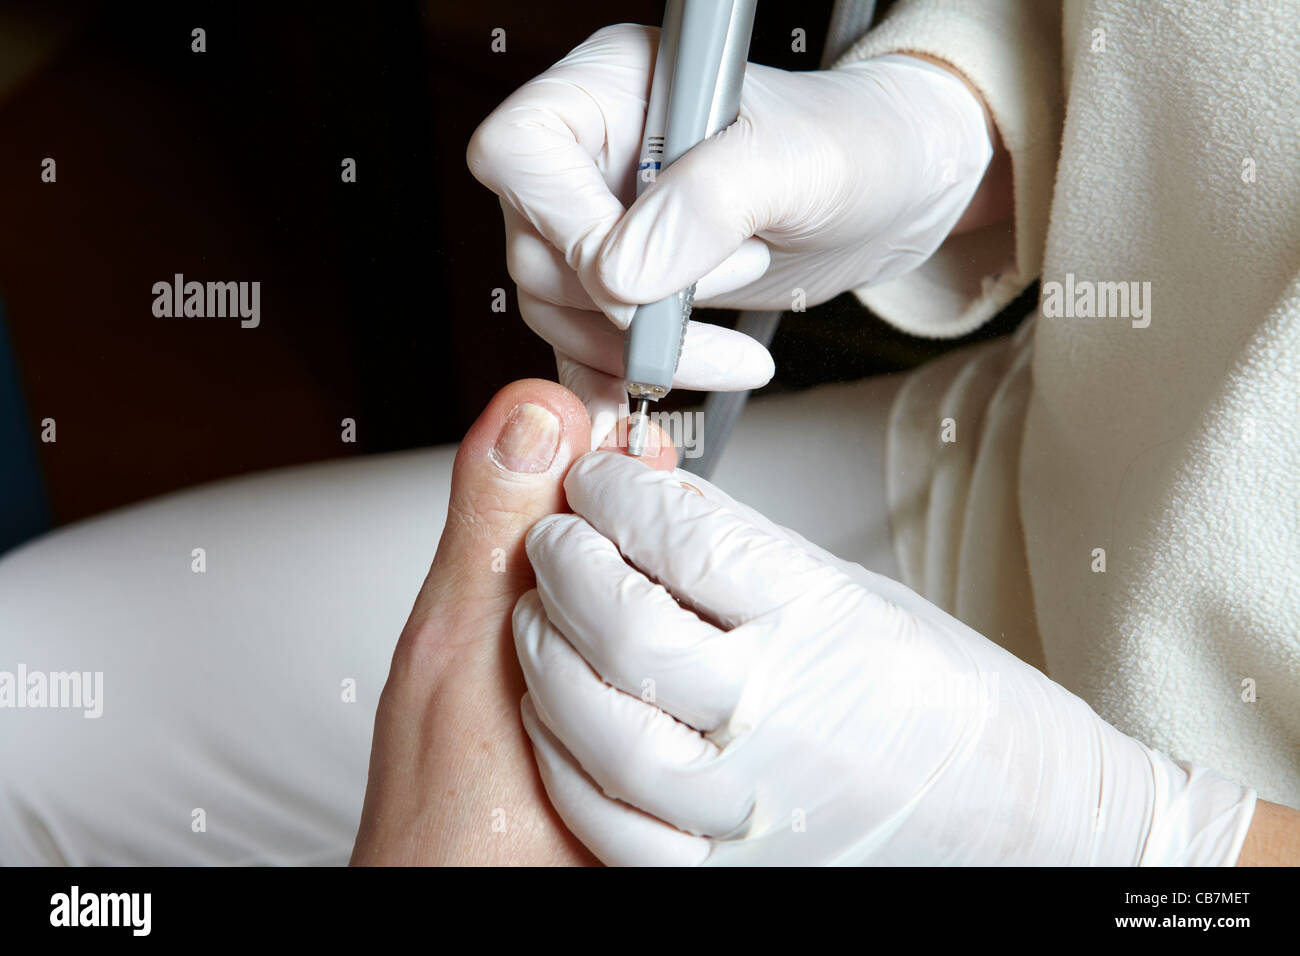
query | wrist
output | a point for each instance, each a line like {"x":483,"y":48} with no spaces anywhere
{"x":1274,"y":837}
{"x":994,"y":199}
{"x":1201,"y":817}
{"x":990,"y":127}
{"x":1102,"y":798}
{"x":955,"y":109}
{"x":1169,"y":812}
{"x":941,"y":137}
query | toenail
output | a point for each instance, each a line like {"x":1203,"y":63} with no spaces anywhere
{"x":528,"y":442}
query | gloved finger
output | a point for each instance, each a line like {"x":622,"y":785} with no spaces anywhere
{"x":618,"y":834}
{"x":713,"y":359}
{"x":632,"y":750}
{"x":561,"y":155}
{"x":709,"y":557}
{"x":603,"y":394}
{"x":540,"y":269}
{"x":713,"y":493}
{"x":630,"y":630}
{"x":743,"y":267}
{"x":879,"y":584}
{"x":732,"y":186}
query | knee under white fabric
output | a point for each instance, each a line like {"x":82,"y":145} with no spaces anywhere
{"x":238,"y":700}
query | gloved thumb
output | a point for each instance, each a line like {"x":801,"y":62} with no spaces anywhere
{"x":693,"y":219}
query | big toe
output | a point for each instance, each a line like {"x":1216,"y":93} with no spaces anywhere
{"x":509,"y":472}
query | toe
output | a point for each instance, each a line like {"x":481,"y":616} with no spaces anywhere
{"x":508,"y":473}
{"x":659,"y":452}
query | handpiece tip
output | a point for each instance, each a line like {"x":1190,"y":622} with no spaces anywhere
{"x":639,"y":423}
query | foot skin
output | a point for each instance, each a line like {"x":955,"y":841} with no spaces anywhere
{"x":452,"y":775}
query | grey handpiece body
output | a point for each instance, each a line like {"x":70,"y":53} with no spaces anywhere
{"x":695,"y":92}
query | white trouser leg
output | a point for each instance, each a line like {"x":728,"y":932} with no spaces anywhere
{"x":223,"y":691}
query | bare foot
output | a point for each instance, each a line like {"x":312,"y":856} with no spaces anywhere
{"x":452,"y":774}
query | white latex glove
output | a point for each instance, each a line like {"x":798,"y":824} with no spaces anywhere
{"x":808,"y":711}
{"x":828,"y":180}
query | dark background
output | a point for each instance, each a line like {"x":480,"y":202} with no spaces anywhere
{"x":225,"y":166}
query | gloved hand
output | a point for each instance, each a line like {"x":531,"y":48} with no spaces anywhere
{"x":796,"y":709}
{"x":828,"y":180}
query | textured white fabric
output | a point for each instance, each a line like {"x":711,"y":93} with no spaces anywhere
{"x":1174,"y":445}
